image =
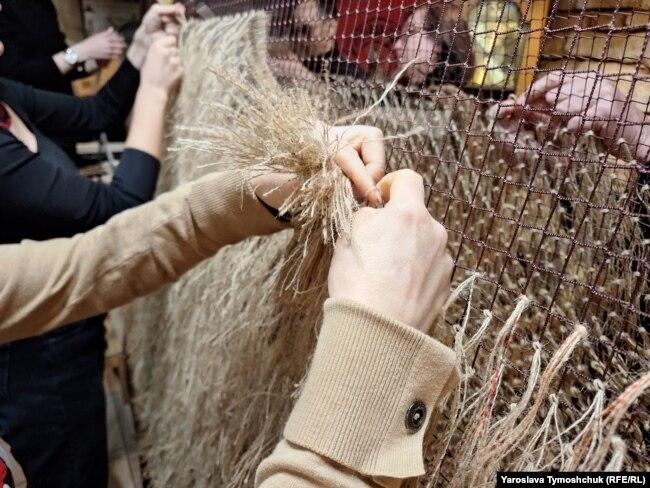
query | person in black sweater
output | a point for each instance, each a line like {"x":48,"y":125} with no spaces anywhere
{"x":41,"y":193}
{"x":36,"y":52}
{"x":52,"y":406}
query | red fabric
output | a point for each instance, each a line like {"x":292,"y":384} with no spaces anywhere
{"x":367,"y":28}
{"x":5,"y":118}
{"x":3,"y":472}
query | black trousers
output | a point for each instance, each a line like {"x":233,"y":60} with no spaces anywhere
{"x":52,"y":406}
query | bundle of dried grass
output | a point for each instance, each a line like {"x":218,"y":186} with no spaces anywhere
{"x":218,"y":358}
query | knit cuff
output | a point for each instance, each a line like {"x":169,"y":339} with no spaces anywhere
{"x":137,"y":174}
{"x":357,"y":405}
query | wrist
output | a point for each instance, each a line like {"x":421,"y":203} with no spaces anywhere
{"x":367,"y":373}
{"x":153,"y":93}
{"x":141,"y":38}
{"x":80,"y":52}
{"x":60,"y":62}
{"x":373,"y":295}
{"x":137,"y":51}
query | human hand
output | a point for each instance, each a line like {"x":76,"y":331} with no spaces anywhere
{"x":102,"y":46}
{"x":415,"y":48}
{"x":420,"y":60}
{"x":162,"y":68}
{"x":583,"y":101}
{"x":360,"y":154}
{"x":316,"y":32}
{"x":395,"y":261}
{"x":160,"y":20}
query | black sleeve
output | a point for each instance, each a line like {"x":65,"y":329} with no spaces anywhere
{"x":38,"y":70}
{"x":42,"y":73}
{"x":46,"y":200}
{"x":58,"y":114}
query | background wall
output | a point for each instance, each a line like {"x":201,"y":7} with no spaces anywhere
{"x":608,"y":36}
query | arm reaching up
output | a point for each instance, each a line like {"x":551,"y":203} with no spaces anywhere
{"x":49,"y":283}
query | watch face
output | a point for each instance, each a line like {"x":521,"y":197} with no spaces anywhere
{"x":71,"y":57}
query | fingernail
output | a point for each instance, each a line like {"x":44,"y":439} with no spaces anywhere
{"x":366,"y":195}
{"x":379,"y":201}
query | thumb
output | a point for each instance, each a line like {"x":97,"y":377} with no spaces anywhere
{"x":402,"y":187}
{"x":580,"y":124}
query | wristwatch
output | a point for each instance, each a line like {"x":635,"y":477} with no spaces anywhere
{"x":71,"y":57}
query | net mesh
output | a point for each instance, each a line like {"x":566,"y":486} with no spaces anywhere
{"x":544,"y":191}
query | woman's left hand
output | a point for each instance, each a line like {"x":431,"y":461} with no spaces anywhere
{"x":159,"y":20}
{"x":360,"y":154}
{"x":583,"y":102}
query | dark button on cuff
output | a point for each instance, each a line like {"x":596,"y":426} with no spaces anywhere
{"x":415,"y":416}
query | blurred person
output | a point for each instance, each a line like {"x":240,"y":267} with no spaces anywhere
{"x":35,"y":51}
{"x":583,"y":102}
{"x":376,"y":378}
{"x":53,"y":401}
{"x":297,"y":48}
{"x":315,"y":23}
{"x":383,"y":36}
{"x":361,"y":38}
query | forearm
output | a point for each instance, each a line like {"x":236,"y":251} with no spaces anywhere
{"x":367,"y":372}
{"x":148,"y":121}
{"x":56,"y":113}
{"x":49,"y":283}
{"x":40,"y":73}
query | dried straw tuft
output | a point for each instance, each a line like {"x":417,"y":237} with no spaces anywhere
{"x":270,"y":129}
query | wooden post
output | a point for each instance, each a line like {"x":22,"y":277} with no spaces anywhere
{"x":71,"y":20}
{"x":536,"y":18}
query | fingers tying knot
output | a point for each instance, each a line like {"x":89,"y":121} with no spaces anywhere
{"x":379,"y":202}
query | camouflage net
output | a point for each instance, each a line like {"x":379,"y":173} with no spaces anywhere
{"x":549,"y":233}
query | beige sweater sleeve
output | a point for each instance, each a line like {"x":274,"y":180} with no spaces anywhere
{"x":352,"y":425}
{"x":46,"y":284}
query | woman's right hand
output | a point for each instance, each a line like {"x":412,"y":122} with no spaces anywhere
{"x":162,"y":68}
{"x":103,"y":46}
{"x":395,"y":261}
